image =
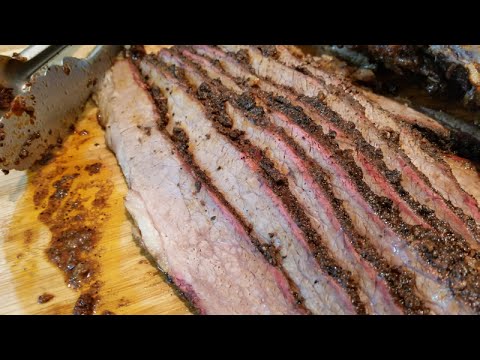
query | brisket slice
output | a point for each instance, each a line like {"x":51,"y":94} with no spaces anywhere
{"x":309,"y":184}
{"x":185,"y":226}
{"x":466,"y":173}
{"x":398,"y":241}
{"x":413,"y":181}
{"x":420,"y":151}
{"x":249,"y":183}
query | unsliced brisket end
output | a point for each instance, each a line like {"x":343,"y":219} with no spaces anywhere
{"x":240,"y":174}
{"x":447,"y":70}
{"x":193,"y":236}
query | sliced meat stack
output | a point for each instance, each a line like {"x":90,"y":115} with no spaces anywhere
{"x":263,"y":182}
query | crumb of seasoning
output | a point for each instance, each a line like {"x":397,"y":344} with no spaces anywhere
{"x":83,"y":132}
{"x":85,"y":304}
{"x":93,"y":168}
{"x":198,"y":186}
{"x":44,"y":298}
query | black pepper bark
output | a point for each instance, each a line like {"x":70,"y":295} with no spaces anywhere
{"x":400,"y":281}
{"x":375,"y":157}
{"x":181,"y":142}
{"x":446,"y":252}
{"x":214,"y":103}
{"x":380,"y":204}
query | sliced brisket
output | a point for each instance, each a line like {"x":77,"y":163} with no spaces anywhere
{"x":185,"y":226}
{"x":241,"y":174}
{"x":311,"y":187}
{"x":267,"y":183}
{"x":397,"y":231}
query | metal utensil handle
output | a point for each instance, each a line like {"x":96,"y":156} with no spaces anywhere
{"x":101,"y":51}
{"x":37,"y":56}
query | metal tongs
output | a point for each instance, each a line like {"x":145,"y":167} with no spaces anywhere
{"x":42,"y":91}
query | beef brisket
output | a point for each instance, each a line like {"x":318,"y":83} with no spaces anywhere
{"x":269,"y":184}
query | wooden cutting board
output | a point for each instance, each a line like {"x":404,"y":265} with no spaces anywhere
{"x":129,"y":284}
